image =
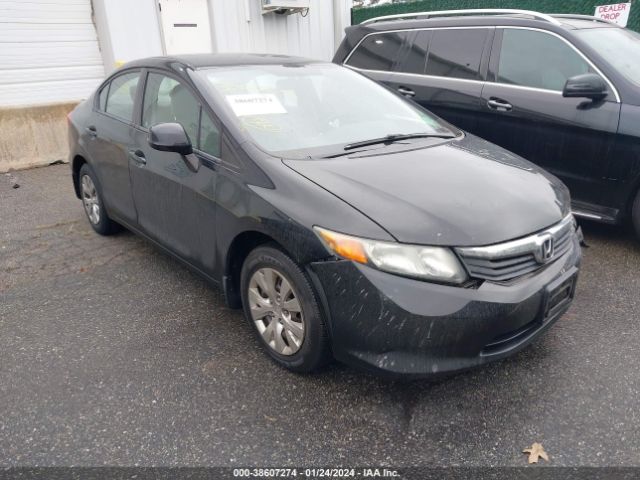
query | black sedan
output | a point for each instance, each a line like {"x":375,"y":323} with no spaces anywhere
{"x":346,"y":220}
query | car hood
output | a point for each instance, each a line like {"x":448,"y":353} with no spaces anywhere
{"x":459,"y":193}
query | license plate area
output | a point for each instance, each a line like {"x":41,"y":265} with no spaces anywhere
{"x":558,"y":296}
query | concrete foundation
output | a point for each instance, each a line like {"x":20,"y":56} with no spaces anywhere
{"x":33,"y":136}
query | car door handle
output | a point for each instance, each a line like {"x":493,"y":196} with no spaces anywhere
{"x":500,"y":105}
{"x":407,"y":92}
{"x":138,"y":157}
{"x":91,"y":130}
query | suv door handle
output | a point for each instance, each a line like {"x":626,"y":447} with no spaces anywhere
{"x":499,"y":105}
{"x":138,"y":157}
{"x":407,"y":92}
{"x":91,"y":130}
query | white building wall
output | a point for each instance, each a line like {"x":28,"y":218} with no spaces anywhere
{"x":128,"y":30}
{"x":239,"y":26}
{"x":49,"y":52}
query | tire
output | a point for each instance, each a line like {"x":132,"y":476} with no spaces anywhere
{"x":267,"y":265}
{"x":635,"y":214}
{"x":91,"y":196}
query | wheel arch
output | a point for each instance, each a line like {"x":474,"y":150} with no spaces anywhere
{"x":239,"y":248}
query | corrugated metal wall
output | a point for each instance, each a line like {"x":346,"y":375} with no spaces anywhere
{"x":239,"y":26}
{"x":48,"y":52}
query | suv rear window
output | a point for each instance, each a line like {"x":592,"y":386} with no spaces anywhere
{"x":378,"y":51}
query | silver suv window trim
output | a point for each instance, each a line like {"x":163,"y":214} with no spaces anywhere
{"x":520,"y":87}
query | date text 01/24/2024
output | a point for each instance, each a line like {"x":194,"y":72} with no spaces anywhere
{"x":315,"y":473}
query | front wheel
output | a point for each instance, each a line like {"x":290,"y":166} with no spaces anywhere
{"x":279,"y":302}
{"x":91,"y":197}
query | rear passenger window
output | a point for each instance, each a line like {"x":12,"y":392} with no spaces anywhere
{"x":536,"y":59}
{"x":378,"y":51}
{"x":122,"y":95}
{"x":456,"y":53}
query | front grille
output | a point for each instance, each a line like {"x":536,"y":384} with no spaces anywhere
{"x":510,"y":260}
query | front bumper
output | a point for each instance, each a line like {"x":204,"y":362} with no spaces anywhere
{"x":398,"y":326}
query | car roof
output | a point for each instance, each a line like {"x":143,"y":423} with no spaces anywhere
{"x":197,"y":61}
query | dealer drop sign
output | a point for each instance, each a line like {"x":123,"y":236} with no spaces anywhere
{"x":617,"y":13}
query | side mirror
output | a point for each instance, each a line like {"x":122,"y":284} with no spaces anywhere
{"x":170,"y":137}
{"x":588,"y":85}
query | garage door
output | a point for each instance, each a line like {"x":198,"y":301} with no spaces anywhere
{"x":48,"y":52}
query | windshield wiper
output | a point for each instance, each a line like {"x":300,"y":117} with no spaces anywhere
{"x":396,"y":137}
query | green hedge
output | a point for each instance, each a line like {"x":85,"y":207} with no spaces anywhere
{"x":585,"y":7}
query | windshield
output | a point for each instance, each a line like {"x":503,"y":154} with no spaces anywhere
{"x":621,"y":47}
{"x":297,"y":107}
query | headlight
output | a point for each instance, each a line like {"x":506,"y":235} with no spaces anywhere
{"x":427,"y":263}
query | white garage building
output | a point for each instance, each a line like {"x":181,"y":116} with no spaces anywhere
{"x":53,"y":53}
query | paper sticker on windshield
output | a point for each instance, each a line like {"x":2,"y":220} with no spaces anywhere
{"x":255,"y":104}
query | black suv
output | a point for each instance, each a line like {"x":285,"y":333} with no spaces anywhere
{"x":560,"y":90}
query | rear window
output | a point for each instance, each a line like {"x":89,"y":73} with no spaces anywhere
{"x":379,"y":51}
{"x":456,"y":53}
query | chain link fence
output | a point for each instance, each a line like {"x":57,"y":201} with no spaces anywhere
{"x":584,"y":7}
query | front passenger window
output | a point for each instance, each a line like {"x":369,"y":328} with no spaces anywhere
{"x":537,"y":59}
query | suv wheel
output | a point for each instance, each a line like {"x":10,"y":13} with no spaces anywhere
{"x":281,"y":305}
{"x":90,"y":194}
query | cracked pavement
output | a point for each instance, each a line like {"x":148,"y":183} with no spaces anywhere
{"x":112,"y":353}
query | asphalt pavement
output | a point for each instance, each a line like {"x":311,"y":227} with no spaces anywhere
{"x":112,"y":353}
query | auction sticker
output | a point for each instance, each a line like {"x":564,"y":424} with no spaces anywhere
{"x":255,"y":104}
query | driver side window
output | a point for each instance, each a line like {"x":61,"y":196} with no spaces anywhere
{"x":168,"y":101}
{"x":537,"y":59}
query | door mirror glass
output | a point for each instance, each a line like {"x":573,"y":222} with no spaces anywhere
{"x":170,"y":137}
{"x":588,"y":85}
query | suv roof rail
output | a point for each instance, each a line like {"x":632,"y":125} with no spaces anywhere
{"x":476,"y":11}
{"x":571,"y":16}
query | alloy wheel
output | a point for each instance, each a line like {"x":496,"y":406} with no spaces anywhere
{"x":90,"y":199}
{"x":276,"y":311}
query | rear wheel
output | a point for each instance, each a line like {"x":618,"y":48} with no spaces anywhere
{"x":635,"y":214}
{"x":90,"y":194}
{"x":281,"y":305}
